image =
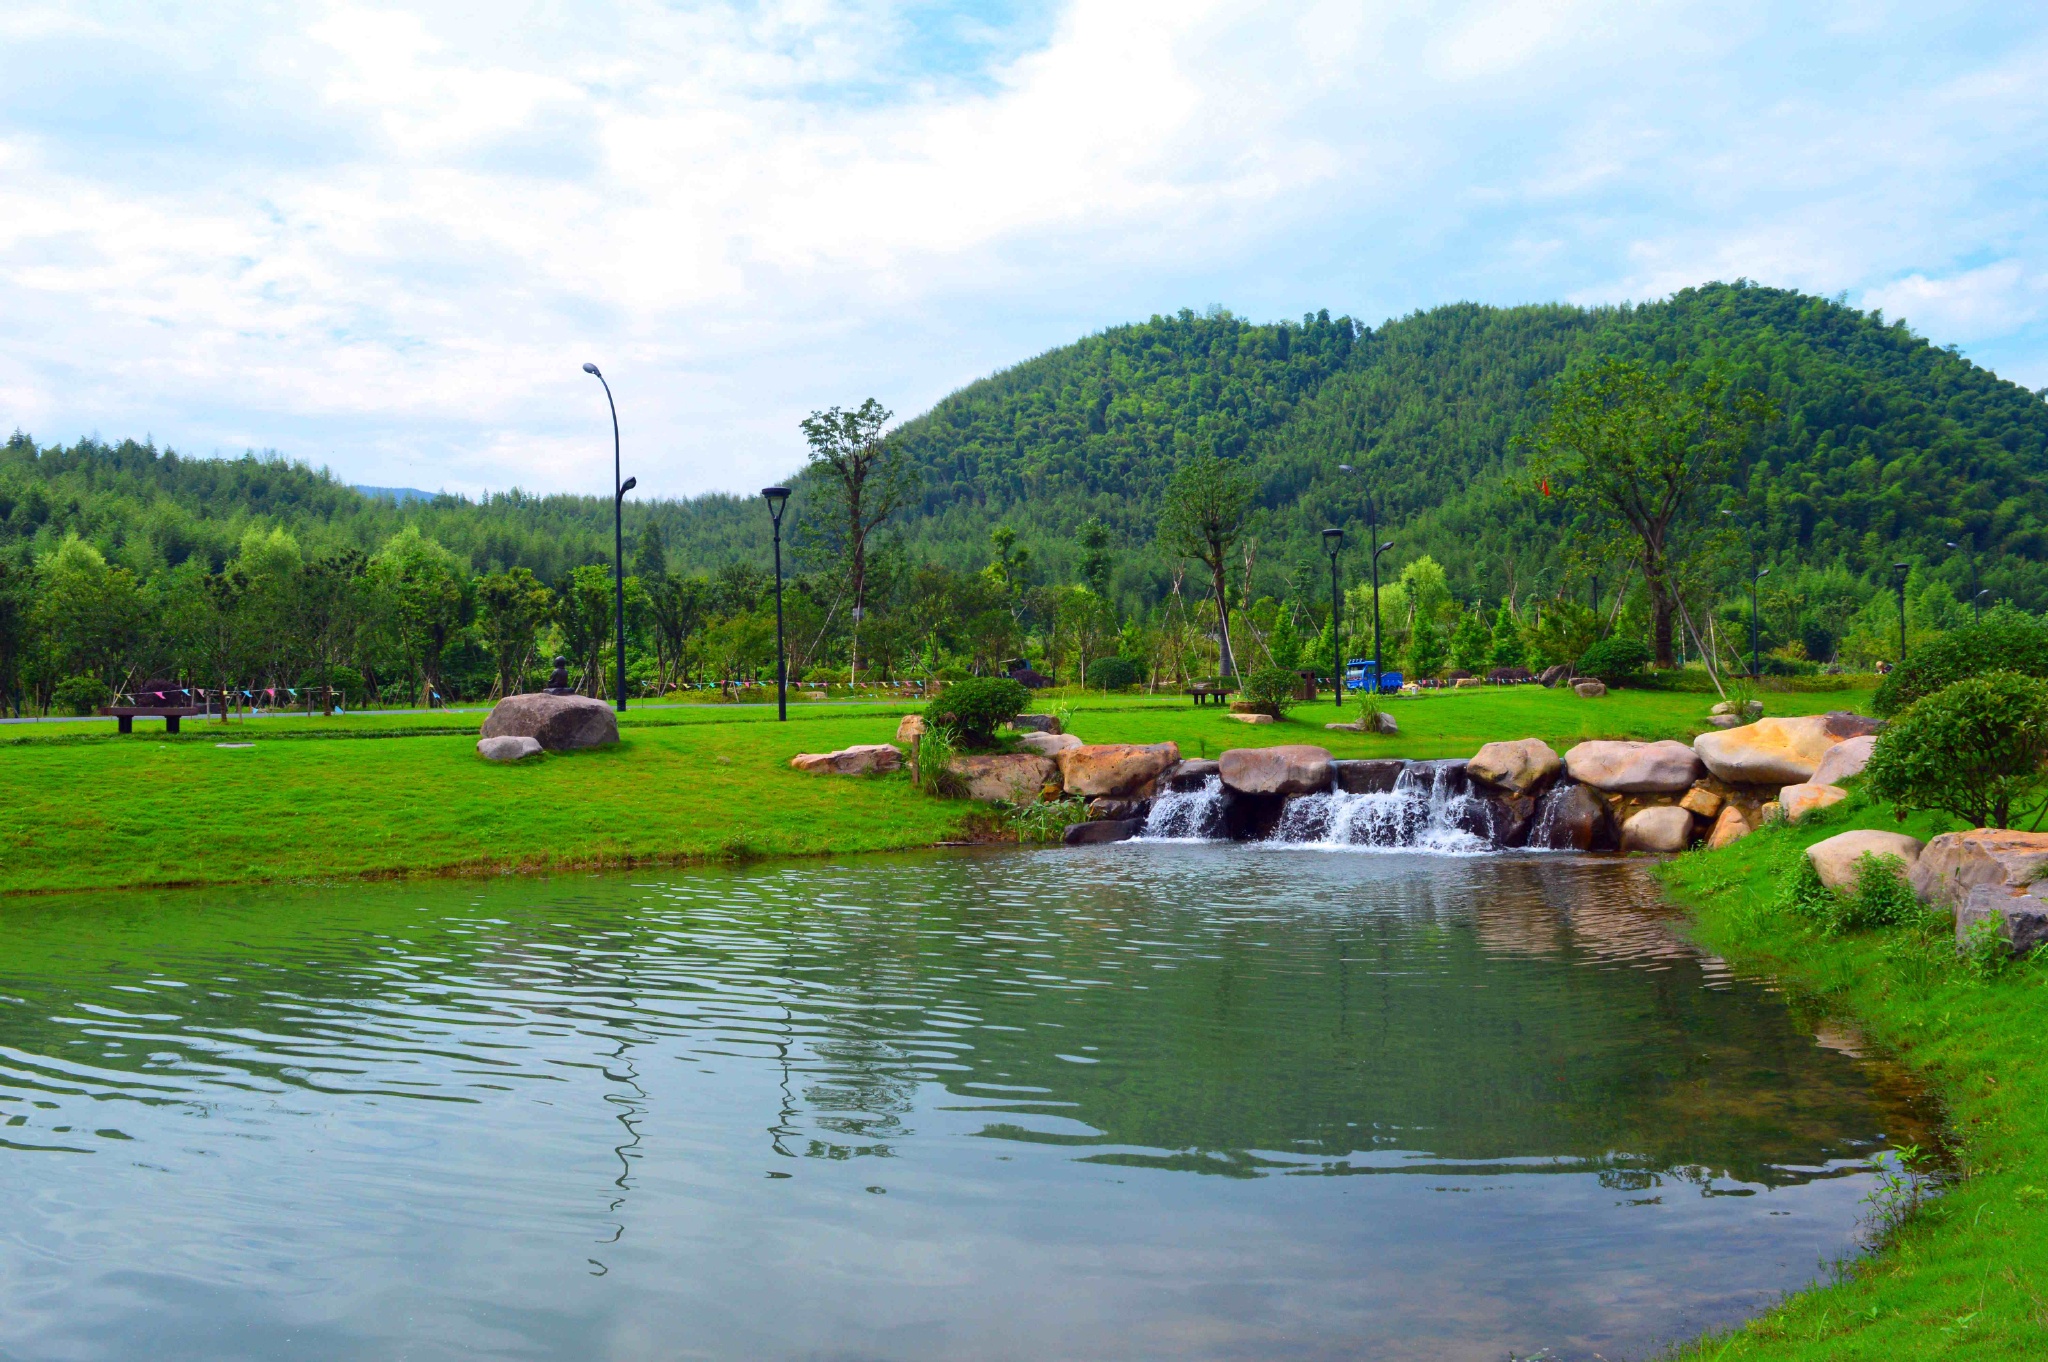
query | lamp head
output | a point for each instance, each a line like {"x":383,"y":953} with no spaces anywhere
{"x":592,"y":370}
{"x":776,"y":497}
{"x":1951,"y":543}
{"x":1384,"y":547}
{"x":628,"y":485}
{"x":1333,"y":541}
{"x":1345,"y":468}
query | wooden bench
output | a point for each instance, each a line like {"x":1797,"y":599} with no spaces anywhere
{"x":170,"y":714}
{"x":1203,"y":690}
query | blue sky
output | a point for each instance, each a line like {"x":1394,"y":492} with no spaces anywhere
{"x":385,"y":238}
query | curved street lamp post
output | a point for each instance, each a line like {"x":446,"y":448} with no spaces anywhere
{"x":619,"y":490}
{"x":1903,"y":569}
{"x":1756,"y":574}
{"x":777,"y":498}
{"x":1372,"y":527}
{"x":1333,"y":544}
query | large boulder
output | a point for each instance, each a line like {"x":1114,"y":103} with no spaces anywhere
{"x":507,"y":749}
{"x":1834,"y":859}
{"x":1289,"y":769}
{"x":1520,"y":766}
{"x":1799,"y":800}
{"x":1189,"y":775}
{"x":1633,"y":767}
{"x":1845,"y":759}
{"x":1573,"y":818}
{"x":1730,"y":826}
{"x":1036,"y":723}
{"x":2021,"y":917}
{"x":559,"y":723}
{"x":910,"y":730}
{"x":1013,"y":777}
{"x":1956,"y":862}
{"x":1777,"y":751}
{"x":1120,"y":769}
{"x":868,"y":759}
{"x":1048,"y":744}
{"x":1589,"y":689}
{"x":1554,"y":674}
{"x":1371,"y":776}
{"x":1101,"y":830}
{"x":1662,"y":827}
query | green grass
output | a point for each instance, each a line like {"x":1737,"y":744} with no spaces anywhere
{"x":1965,"y":1276}
{"x":375,"y":794}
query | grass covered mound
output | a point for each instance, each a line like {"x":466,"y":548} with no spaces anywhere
{"x":1965,"y":1273}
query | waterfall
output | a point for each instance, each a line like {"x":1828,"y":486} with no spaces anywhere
{"x":1187,"y":815}
{"x":1432,"y":807}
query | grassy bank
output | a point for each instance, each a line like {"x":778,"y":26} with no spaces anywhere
{"x":1966,"y":1275}
{"x":395,"y":794}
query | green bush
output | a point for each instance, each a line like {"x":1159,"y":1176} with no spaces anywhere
{"x":931,"y":764}
{"x":1615,"y":660}
{"x":1974,"y":749}
{"x":1882,"y":897}
{"x":79,"y":694}
{"x":1271,"y":690}
{"x":1112,"y":673}
{"x":975,"y":707}
{"x":2006,"y":640}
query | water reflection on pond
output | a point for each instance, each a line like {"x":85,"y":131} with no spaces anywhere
{"x":1140,"y":1101}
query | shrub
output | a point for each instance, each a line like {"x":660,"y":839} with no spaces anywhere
{"x":80,"y":694}
{"x":1112,"y":673}
{"x":931,"y":763}
{"x":1270,"y":690}
{"x":1974,"y":749}
{"x":973,"y":708}
{"x":1882,"y":897}
{"x":2006,"y":640}
{"x":1615,"y":660}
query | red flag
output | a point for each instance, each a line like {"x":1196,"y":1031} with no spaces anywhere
{"x":1546,"y":487}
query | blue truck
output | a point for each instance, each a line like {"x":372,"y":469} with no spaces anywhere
{"x":1359,"y":675}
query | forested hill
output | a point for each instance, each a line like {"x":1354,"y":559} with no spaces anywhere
{"x":1887,"y":447}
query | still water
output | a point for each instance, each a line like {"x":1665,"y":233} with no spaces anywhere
{"x":1130,"y":1102}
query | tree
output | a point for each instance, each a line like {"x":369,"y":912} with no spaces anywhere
{"x":1975,"y":749}
{"x":329,"y":606}
{"x":1083,"y":621}
{"x":867,"y":482}
{"x":2005,"y":640}
{"x":1470,"y":642}
{"x":583,"y":607}
{"x":1508,"y":649}
{"x":511,"y":607}
{"x":1096,"y":559}
{"x":1631,"y":448}
{"x":423,"y":583}
{"x":14,"y":603}
{"x":1203,"y":518}
{"x":91,"y":613}
{"x":676,"y":605}
{"x":1427,"y":651}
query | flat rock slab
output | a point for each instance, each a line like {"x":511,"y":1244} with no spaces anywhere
{"x":866,"y":760}
{"x":1845,"y":759}
{"x":1036,"y":723}
{"x":1797,"y":801}
{"x":1589,"y":690}
{"x":1634,"y":767}
{"x":1665,"y":827}
{"x":1189,"y":775}
{"x":1048,"y":744}
{"x":1015,"y":777}
{"x":1290,"y":768}
{"x":1101,"y":830}
{"x":1956,"y":862}
{"x":1371,"y":776}
{"x":1778,"y":751}
{"x":559,"y":723}
{"x":1255,"y":718}
{"x":507,"y":749}
{"x":1834,"y":859}
{"x":1520,"y":766}
{"x":1702,"y":801}
{"x":1120,"y":770}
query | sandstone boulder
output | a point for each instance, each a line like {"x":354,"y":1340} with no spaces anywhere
{"x":1381,"y":722}
{"x":1573,"y":817}
{"x":507,"y":749}
{"x":1589,"y":689}
{"x":1048,"y":744}
{"x":1255,"y":718}
{"x":1105,"y":807}
{"x":1663,"y":827}
{"x":1014,"y":777}
{"x":1702,"y":801}
{"x":1743,"y":713}
{"x":1101,"y":830}
{"x":1731,"y":826}
{"x":1956,"y":862}
{"x":1189,"y":775}
{"x":1369,"y":777}
{"x":1036,"y":723}
{"x":2022,"y":917}
{"x":1120,"y":769}
{"x":1777,"y":751}
{"x":910,"y":730}
{"x":559,"y":723}
{"x":1633,"y":767}
{"x":1834,"y":859}
{"x":1291,"y":768}
{"x":1554,"y":674}
{"x":1520,"y":766}
{"x":1799,"y":800}
{"x":1845,"y":759}
{"x":866,"y":760}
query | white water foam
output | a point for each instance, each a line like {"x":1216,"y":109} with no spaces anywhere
{"x":1187,"y":815}
{"x":1431,"y":808}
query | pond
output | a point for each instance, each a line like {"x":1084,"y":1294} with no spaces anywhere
{"x":1145,"y":1100}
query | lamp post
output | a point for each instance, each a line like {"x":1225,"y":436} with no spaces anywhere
{"x":777,"y":498}
{"x":1372,"y":527}
{"x":1333,"y":544}
{"x":1976,"y":596}
{"x":1902,"y":569}
{"x":619,"y":490}
{"x":1756,"y":574}
{"x":1977,"y":602}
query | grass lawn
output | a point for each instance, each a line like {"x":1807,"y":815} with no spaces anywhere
{"x":1967,"y":1275}
{"x":389,"y":794}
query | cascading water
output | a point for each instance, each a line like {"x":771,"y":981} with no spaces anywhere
{"x":1187,"y":815}
{"x":1430,"y":808}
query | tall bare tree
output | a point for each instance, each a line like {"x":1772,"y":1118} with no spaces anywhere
{"x":1204,"y":516}
{"x":867,"y":480}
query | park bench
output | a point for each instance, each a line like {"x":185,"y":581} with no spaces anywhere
{"x":1211,"y":690}
{"x":170,"y":714}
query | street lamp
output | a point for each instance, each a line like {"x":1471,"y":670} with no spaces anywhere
{"x":619,"y":490}
{"x":1333,"y":544}
{"x":777,"y":498}
{"x":1372,"y":526}
{"x":1756,"y":574}
{"x":1976,"y":596}
{"x":1902,"y":569}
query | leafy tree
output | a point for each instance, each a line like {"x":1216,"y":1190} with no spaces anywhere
{"x":92,"y":613}
{"x":1974,"y":749}
{"x":1271,"y":690}
{"x":1285,"y":642}
{"x":1471,"y":641}
{"x":511,"y":607}
{"x":973,"y":708}
{"x":584,"y":608}
{"x":423,"y":583}
{"x":2005,"y":640}
{"x":1203,"y":518}
{"x":1616,"y":659}
{"x":867,"y":480}
{"x":1427,"y":651}
{"x":1508,"y":648}
{"x":1113,"y":673}
{"x":1096,"y":559}
{"x":1633,"y":446}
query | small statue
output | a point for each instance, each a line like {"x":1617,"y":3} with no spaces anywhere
{"x":558,"y":684}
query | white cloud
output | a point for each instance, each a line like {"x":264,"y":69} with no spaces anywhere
{"x":385,"y":238}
